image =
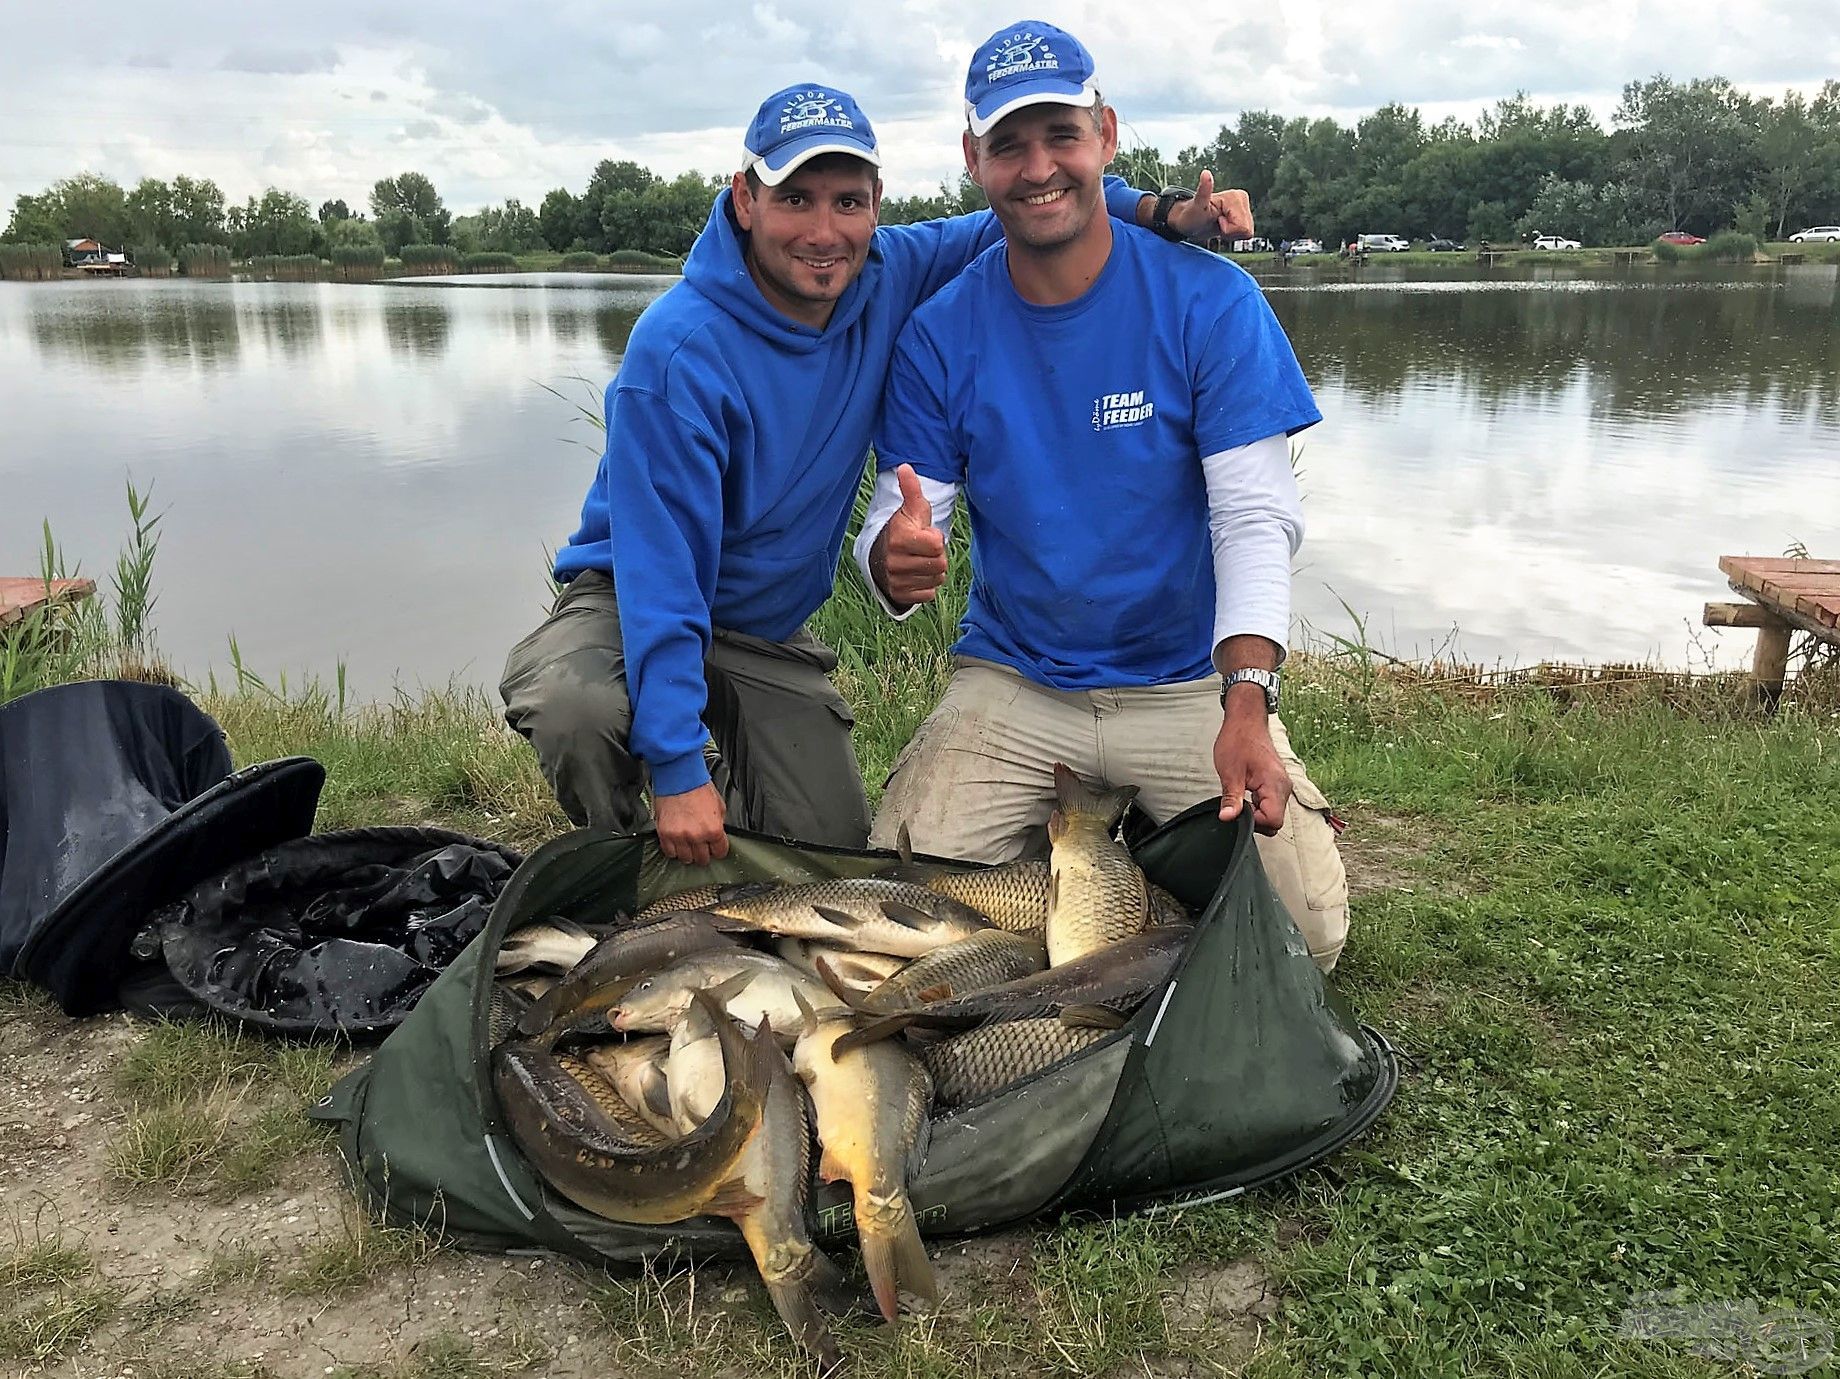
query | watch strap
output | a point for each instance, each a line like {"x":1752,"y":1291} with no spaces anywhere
{"x":1166,"y":202}
{"x":1266,"y":680}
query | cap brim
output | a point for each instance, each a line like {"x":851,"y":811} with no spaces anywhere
{"x":983,"y":118}
{"x":791,"y":160}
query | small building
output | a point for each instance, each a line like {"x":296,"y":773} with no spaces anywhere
{"x":92,"y":256}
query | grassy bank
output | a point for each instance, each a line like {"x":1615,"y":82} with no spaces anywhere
{"x":1515,"y":256}
{"x":1601,"y":921}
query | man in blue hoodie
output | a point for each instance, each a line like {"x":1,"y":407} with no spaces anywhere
{"x":736,"y":434}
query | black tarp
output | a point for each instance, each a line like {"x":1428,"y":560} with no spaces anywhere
{"x":337,"y":933}
{"x":116,"y":797}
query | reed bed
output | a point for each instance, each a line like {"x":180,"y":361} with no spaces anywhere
{"x":430,"y":258}
{"x":31,"y":262}
{"x":205,"y":260}
{"x":153,"y":261}
{"x":357,"y":262}
{"x":292,"y":268}
{"x":580,"y":260}
{"x":638,"y":261}
{"x":491,"y":261}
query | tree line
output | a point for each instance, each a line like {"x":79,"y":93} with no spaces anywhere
{"x":1698,"y":155}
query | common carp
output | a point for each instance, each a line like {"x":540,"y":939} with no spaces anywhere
{"x":702,"y":897}
{"x":1096,"y":894}
{"x":599,"y":980}
{"x":866,"y":913}
{"x":552,"y":945}
{"x":978,"y":1063}
{"x":1011,"y":895}
{"x":870,"y":1106}
{"x":858,"y":971}
{"x":636,"y":1068}
{"x":1114,"y":978}
{"x":957,"y":969}
{"x":750,"y":986}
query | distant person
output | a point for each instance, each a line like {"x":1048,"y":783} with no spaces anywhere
{"x":676,"y":659}
{"x":1115,"y":419}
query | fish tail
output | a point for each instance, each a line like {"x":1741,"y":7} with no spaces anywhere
{"x":893,"y":1253}
{"x":1075,"y":796}
{"x":798,"y":1283}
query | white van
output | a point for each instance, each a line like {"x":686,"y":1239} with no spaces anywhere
{"x":1382,"y":244}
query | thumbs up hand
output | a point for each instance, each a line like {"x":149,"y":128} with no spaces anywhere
{"x":1226,"y":212}
{"x":908,"y":558}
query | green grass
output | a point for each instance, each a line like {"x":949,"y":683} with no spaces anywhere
{"x":50,"y":1298}
{"x":359,"y":1252}
{"x":214,"y":1110}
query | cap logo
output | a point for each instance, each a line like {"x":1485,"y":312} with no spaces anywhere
{"x":808,"y":108}
{"x":1019,"y":53}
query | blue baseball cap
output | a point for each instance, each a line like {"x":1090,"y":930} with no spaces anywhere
{"x":1026,"y":63}
{"x":796,"y":125}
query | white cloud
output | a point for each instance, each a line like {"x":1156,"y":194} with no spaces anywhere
{"x":491,"y":110}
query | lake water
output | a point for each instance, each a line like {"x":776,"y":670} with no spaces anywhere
{"x":1513,"y":467}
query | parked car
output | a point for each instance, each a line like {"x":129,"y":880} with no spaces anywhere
{"x":1815,"y":233}
{"x":1383,"y":244}
{"x":1306,"y":246}
{"x":1680,"y":237}
{"x":1258,"y":244}
{"x":1437,"y":244}
{"x":1555,"y":242}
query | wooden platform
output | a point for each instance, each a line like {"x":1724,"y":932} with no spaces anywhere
{"x":23,"y":595}
{"x":1786,"y":596}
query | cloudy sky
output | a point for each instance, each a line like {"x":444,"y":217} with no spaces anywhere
{"x":493,"y":102}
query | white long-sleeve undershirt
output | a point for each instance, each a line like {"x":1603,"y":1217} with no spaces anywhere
{"x":1255,"y":526}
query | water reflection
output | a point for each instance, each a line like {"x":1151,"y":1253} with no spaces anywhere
{"x":136,"y":330}
{"x":417,"y":326}
{"x":1646,"y":349}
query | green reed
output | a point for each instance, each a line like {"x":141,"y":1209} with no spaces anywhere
{"x":31,"y":262}
{"x":205,"y":260}
{"x":490,"y":261}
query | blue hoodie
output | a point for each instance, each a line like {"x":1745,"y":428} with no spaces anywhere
{"x":736,"y":439}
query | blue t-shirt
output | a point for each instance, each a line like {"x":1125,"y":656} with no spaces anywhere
{"x":1077,"y":433}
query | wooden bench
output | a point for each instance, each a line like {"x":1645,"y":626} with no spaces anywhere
{"x":1786,"y":596}
{"x":22,"y":596}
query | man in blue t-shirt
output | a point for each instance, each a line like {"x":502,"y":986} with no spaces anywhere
{"x":1115,"y":417}
{"x":736,"y":435}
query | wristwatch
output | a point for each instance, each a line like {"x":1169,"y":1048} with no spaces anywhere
{"x":1159,"y":218}
{"x":1266,"y":680}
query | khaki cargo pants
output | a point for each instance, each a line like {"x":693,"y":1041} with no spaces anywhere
{"x":781,"y":753}
{"x":975,"y":782}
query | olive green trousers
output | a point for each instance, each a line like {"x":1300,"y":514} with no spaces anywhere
{"x":780,"y":752}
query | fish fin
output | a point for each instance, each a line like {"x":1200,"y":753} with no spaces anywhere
{"x":907,"y":916}
{"x":732,"y":1200}
{"x":807,"y":1015}
{"x":658,"y":1098}
{"x":870,"y":1033}
{"x":728,"y":988}
{"x":1091,"y":1017}
{"x":1054,"y":883}
{"x":896,"y":1262}
{"x":568,"y":926}
{"x":904,"y":844}
{"x":828,"y":975}
{"x":848,"y":923}
{"x":831,"y":1170}
{"x":938,"y":991}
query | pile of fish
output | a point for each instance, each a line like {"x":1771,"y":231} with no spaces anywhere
{"x":679,"y":1065}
